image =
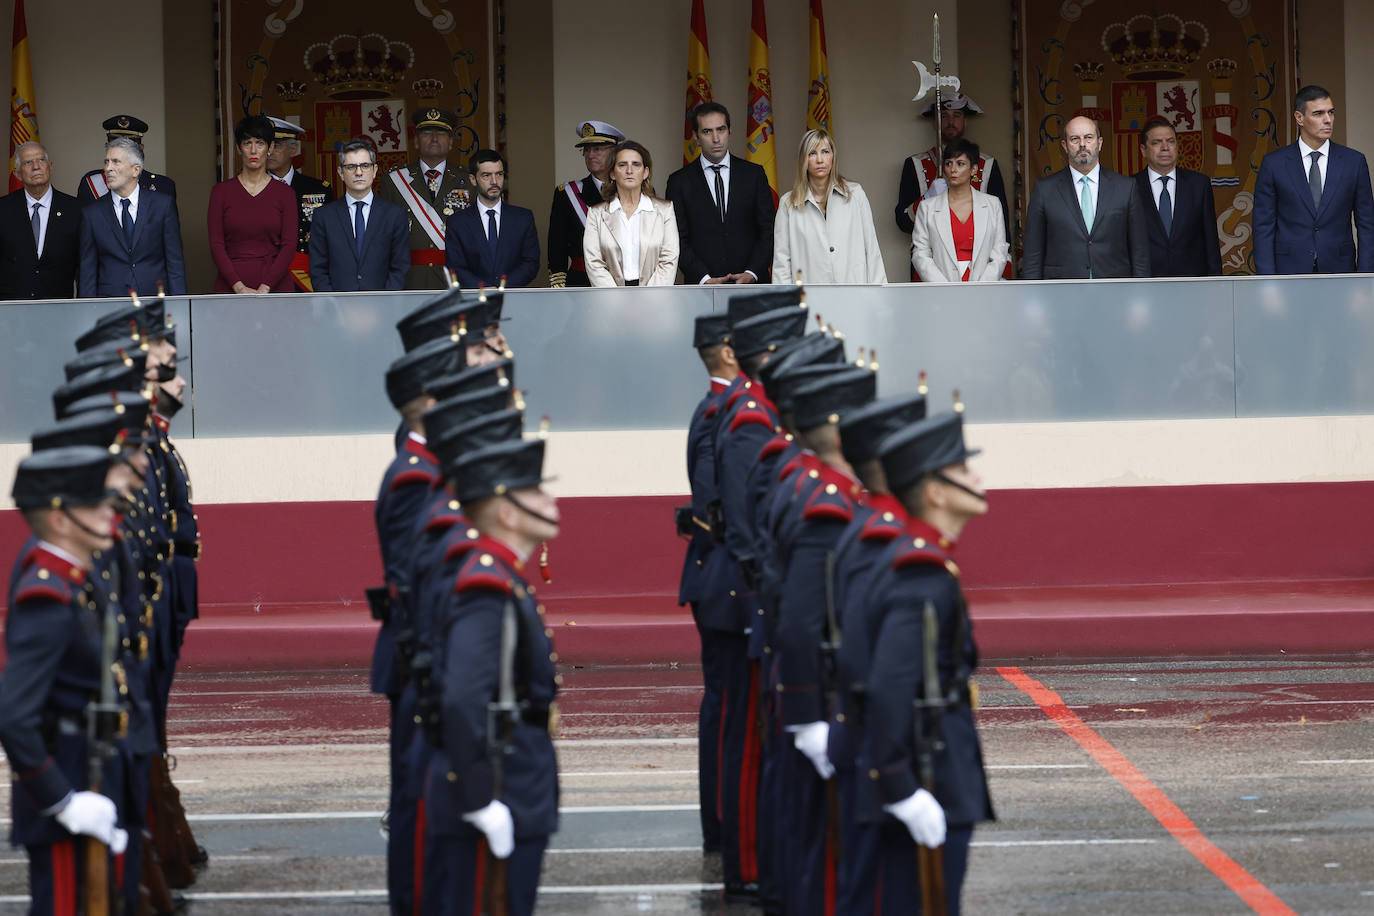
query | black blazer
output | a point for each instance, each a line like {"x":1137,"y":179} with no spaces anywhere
{"x":744,"y":242}
{"x":334,"y":263}
{"x":468,"y":255}
{"x":1191,"y":249}
{"x":23,"y":274}
{"x":110,"y":268}
{"x":1058,"y":244}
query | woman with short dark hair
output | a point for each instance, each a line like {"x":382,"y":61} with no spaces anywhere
{"x":252,"y":219}
{"x":631,"y":239}
{"x":958,"y":233}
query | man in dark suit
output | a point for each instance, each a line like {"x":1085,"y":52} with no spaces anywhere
{"x":1307,"y":196}
{"x":1084,"y":221}
{"x":130,"y":238}
{"x":571,"y":201}
{"x":359,"y":241}
{"x":724,"y":208}
{"x":493,"y":239}
{"x":311,"y":193}
{"x":93,"y":182}
{"x":40,"y":232}
{"x":1179,"y":212}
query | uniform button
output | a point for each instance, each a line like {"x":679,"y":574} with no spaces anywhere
{"x":760,"y":612}
{"x":558,"y":679}
{"x":873,"y":774}
{"x":732,"y":593}
{"x":698,"y":562}
{"x":553,"y":656}
{"x":778,"y":688}
{"x":453,"y":777}
{"x":767,"y":650}
{"x":418,"y":720}
{"x":839,"y":717}
{"x":548,"y":632}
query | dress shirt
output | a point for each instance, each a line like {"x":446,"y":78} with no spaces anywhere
{"x":441,"y":166}
{"x":290,"y":174}
{"x":629,"y":244}
{"x":352,"y":208}
{"x":44,"y":210}
{"x":1156,"y":186}
{"x":119,"y":206}
{"x":1307,"y":151}
{"x":708,"y":167}
{"x":71,"y":558}
{"x":482,"y":209}
{"x":1093,"y":184}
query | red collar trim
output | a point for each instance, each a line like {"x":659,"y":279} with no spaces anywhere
{"x":416,"y":448}
{"x":46,"y":559}
{"x":848,"y":485}
{"x":162,"y":422}
{"x":886,"y":502}
{"x":717,"y":387}
{"x":920,"y":528}
{"x":503,"y":553}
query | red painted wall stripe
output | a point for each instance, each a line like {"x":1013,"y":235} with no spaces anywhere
{"x":1170,"y":816}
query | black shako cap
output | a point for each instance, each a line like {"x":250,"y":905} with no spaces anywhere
{"x":478,"y":432}
{"x":826,"y":399}
{"x":69,"y":476}
{"x":913,"y":451}
{"x":497,"y":469}
{"x":117,"y":377}
{"x":108,"y":354}
{"x":749,"y":305}
{"x":768,"y":331}
{"x":710,"y":330}
{"x":99,"y":428}
{"x":474,"y":378}
{"x":149,"y":319}
{"x":810,"y":349}
{"x":864,"y":428}
{"x":409,"y":377}
{"x":450,"y":312}
{"x":131,"y":406}
{"x":461,"y":408}
{"x":788,"y":382}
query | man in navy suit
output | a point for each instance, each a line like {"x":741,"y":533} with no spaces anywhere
{"x":130,"y":237}
{"x":40,"y":230}
{"x":1179,"y":213}
{"x":359,"y":241}
{"x":1307,"y":195}
{"x":493,"y":239}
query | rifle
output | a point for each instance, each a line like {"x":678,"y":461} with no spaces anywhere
{"x":502,"y":715}
{"x":830,"y":647}
{"x":929,"y":742}
{"x":104,"y":725}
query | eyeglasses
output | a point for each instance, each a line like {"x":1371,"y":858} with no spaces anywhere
{"x":357,"y":167}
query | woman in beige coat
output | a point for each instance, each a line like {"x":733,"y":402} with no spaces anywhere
{"x":958,"y":234}
{"x":631,"y":240}
{"x":824,"y":227}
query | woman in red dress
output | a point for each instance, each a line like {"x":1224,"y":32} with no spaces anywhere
{"x":252,"y":219}
{"x":958,"y":234}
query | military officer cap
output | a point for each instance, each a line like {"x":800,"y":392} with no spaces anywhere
{"x":956,"y":102}
{"x":131,"y":407}
{"x":591,"y":133}
{"x":150,"y":320}
{"x":478,"y":432}
{"x":474,"y":378}
{"x":408,"y":377}
{"x":285,"y":130}
{"x":117,"y":377}
{"x":812,"y":349}
{"x":471,"y":318}
{"x":110,"y":354}
{"x":768,"y":331}
{"x":826,"y":399}
{"x":100,"y":428}
{"x":125,"y":126}
{"x":863,"y":429}
{"x":750,"y":304}
{"x":433,"y":118}
{"x":463,"y":407}
{"x":710,"y":330}
{"x":496,"y":470}
{"x":922,"y":448}
{"x":70,"y":476}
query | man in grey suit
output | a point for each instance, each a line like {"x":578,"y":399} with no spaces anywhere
{"x":358,"y":242}
{"x":1083,"y":221}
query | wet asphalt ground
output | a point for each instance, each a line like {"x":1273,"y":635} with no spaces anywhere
{"x":1126,"y":787}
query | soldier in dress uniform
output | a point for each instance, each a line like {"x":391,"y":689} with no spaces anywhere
{"x":491,"y":792}
{"x":93,"y":182}
{"x":311,"y":193}
{"x":59,"y":634}
{"x":430,"y":191}
{"x":921,"y":174}
{"x":573,"y":198}
{"x":926,"y":783}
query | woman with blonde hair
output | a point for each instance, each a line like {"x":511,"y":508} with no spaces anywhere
{"x":824,"y":226}
{"x":631,"y":239}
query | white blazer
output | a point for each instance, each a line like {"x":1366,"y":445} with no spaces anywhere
{"x":932,"y":240}
{"x":658,"y":246}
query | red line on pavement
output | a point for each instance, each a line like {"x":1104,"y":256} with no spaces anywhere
{"x":1170,"y":816}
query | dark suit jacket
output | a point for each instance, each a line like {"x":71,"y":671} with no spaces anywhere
{"x":517,"y":247}
{"x":23,"y":274}
{"x":334,"y":263}
{"x":110,"y":268}
{"x":1294,"y":237}
{"x":744,"y":242}
{"x":1191,"y":249}
{"x":1058,"y":244}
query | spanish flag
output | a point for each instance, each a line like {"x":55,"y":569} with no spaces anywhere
{"x":698,"y":78}
{"x":760,"y":144}
{"x":23,"y":116}
{"x":818,"y":94}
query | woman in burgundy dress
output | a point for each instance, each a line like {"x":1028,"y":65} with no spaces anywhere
{"x":252,"y":219}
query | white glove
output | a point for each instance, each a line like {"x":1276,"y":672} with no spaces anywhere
{"x":496,"y":823}
{"x":94,"y":815}
{"x":812,"y":739}
{"x":923,"y":816}
{"x":938,"y":186}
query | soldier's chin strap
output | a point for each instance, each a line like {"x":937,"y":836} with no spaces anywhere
{"x":527,"y":510}
{"x":86,"y":528}
{"x":940,"y":476}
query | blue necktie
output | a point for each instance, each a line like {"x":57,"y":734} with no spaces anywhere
{"x":359,"y":227}
{"x":1085,"y":202}
{"x":128,"y":225}
{"x":491,"y":233}
{"x":1166,"y":206}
